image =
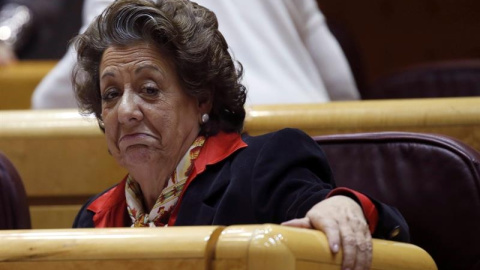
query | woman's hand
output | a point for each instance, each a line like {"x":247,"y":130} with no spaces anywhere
{"x":343,"y":222}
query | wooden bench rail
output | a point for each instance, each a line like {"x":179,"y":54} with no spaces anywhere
{"x":18,"y":81}
{"x":63,"y":159}
{"x":455,"y":117}
{"x":254,"y":247}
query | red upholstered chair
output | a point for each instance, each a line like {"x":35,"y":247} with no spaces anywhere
{"x":14,"y":212}
{"x":457,"y":78}
{"x":433,"y":180}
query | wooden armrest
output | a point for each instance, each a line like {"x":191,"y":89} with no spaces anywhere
{"x":255,"y":247}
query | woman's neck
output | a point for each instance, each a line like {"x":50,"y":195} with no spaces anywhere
{"x":151,"y":184}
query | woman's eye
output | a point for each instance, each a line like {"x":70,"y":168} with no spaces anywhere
{"x":110,"y":94}
{"x":150,"y":90}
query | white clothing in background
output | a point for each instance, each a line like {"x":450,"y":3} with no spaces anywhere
{"x":56,"y":90}
{"x":287,"y":51}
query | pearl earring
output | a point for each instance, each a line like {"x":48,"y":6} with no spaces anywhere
{"x":205,"y":118}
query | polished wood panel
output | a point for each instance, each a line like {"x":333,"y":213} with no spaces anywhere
{"x":126,"y":248}
{"x":254,"y":247}
{"x":63,"y":159}
{"x":260,"y":247}
{"x":53,"y":216}
{"x":455,"y":117}
{"x":58,"y":152}
{"x":18,"y":81}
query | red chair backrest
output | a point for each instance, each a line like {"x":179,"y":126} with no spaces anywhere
{"x":433,"y":180}
{"x":14,"y":211}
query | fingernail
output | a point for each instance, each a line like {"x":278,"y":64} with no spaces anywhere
{"x":335,"y":250}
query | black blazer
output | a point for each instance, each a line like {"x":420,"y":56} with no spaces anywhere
{"x":278,"y":177}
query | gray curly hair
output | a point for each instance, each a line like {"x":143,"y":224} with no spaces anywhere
{"x":186,"y":32}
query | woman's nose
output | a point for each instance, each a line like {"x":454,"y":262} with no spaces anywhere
{"x":129,"y":111}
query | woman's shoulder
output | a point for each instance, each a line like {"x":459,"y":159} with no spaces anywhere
{"x":284,"y":143}
{"x":291,"y":135}
{"x":84,"y":218}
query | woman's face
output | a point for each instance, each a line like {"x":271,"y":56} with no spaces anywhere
{"x":149,"y":119}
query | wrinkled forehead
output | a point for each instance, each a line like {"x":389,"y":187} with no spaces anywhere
{"x":133,"y":55}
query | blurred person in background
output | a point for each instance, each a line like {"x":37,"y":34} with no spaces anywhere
{"x":32,"y":29}
{"x":286,"y":48}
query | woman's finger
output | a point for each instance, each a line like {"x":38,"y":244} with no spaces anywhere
{"x":364,"y":251}
{"x":332,"y":235}
{"x":356,"y":241}
{"x":349,"y":246}
{"x":328,"y":225}
{"x":299,"y":223}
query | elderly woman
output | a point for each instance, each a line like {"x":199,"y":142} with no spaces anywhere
{"x":166,"y":92}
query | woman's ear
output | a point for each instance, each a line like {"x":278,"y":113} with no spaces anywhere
{"x":204,"y":108}
{"x":205,"y":105}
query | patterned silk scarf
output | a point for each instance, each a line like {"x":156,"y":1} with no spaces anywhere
{"x":167,"y":200}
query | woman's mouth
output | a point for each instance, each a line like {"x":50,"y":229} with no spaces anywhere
{"x":135,"y":139}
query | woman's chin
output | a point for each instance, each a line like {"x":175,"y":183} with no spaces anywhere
{"x":136,"y":155}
